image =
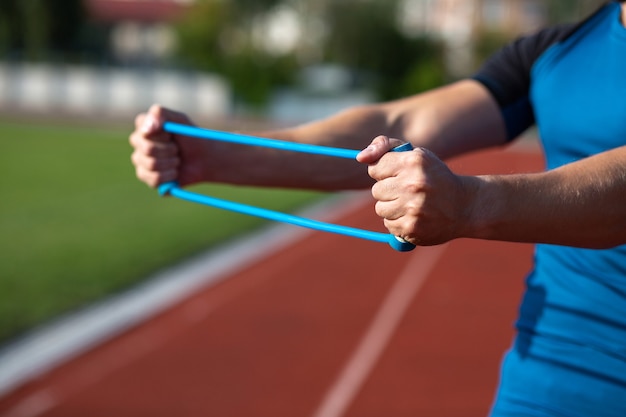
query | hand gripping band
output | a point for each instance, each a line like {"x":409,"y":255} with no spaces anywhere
{"x":173,"y":189}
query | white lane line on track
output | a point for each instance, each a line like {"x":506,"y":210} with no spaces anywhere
{"x":367,"y":353}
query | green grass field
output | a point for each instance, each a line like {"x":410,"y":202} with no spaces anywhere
{"x":75,"y":224}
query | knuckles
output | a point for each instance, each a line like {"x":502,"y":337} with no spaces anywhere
{"x":408,"y":197}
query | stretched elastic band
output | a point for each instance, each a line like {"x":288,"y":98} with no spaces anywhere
{"x":173,"y":189}
{"x":221,"y":136}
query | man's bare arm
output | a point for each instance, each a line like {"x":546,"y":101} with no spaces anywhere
{"x":580,"y":204}
{"x":449,"y":121}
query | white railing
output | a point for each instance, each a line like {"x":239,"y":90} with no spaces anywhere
{"x":82,"y":90}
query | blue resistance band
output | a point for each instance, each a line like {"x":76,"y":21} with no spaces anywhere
{"x":173,"y":189}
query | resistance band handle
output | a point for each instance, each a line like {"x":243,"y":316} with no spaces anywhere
{"x":398,"y":243}
{"x":173,"y":189}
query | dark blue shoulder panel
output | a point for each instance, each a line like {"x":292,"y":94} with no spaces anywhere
{"x":506,"y":74}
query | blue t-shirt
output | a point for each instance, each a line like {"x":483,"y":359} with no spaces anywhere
{"x":569,"y":355}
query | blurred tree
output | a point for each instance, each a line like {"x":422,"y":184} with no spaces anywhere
{"x":219,"y":36}
{"x":560,"y":11}
{"x":9,"y":28}
{"x":362,"y":35}
{"x":34,"y":29}
{"x":488,"y":42}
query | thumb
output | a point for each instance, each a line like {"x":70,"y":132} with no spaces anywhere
{"x":379,"y":146}
{"x":153,"y":121}
{"x":150,"y":123}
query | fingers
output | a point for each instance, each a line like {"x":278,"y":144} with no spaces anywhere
{"x":156,"y":153}
{"x":149,"y":147}
{"x":396,"y":208}
{"x":155,"y":178}
{"x":407,"y":229}
{"x":379,"y":147}
{"x":150,"y":124}
{"x":154,"y":171}
{"x":399,"y":174}
{"x":148,"y":162}
{"x":417,"y":196}
{"x":393,"y":164}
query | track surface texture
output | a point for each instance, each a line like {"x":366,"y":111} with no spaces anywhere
{"x":329,"y":327}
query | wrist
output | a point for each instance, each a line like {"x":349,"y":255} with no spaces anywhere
{"x":482,"y":207}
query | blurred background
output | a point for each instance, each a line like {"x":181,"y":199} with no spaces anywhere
{"x":216,"y":58}
{"x":75,"y":226}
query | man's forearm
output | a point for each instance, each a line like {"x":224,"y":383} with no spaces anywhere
{"x":581,"y":204}
{"x":449,"y":121}
{"x":350,"y":129}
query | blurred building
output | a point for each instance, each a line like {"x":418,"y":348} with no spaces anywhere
{"x":138,"y":38}
{"x":138,"y":31}
{"x":460,"y":22}
{"x":133,"y":42}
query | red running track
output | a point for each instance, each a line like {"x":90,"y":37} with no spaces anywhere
{"x":330,"y":327}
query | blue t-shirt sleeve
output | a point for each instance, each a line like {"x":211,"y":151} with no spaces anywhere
{"x":506,"y":75}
